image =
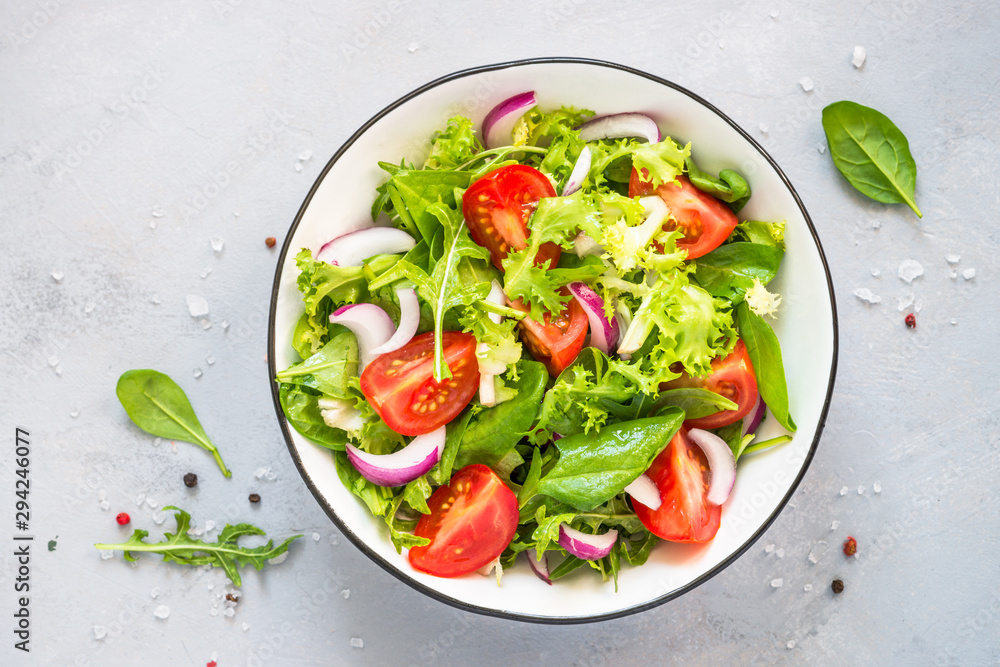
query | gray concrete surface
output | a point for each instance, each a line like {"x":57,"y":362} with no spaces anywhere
{"x":131,"y":133}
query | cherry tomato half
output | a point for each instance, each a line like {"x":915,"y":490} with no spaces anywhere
{"x":733,"y":377}
{"x":705,"y":221}
{"x":556,"y":343}
{"x":681,"y":474}
{"x":497,"y":208}
{"x":473,"y":518}
{"x":401,"y":387}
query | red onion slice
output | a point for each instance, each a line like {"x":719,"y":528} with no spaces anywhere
{"x":579,"y":173}
{"x":400,"y":467}
{"x":372,"y":326}
{"x":644,"y":491}
{"x":604,"y":333}
{"x":619,"y":125}
{"x":499,"y":122}
{"x":409,"y":320}
{"x":721,"y":464}
{"x":586,"y":546}
{"x":540,"y":568}
{"x":354,"y":248}
{"x":756,"y":415}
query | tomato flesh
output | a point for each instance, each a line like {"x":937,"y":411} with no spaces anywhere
{"x":401,"y":387}
{"x":733,"y":377}
{"x":497,"y":208}
{"x":705,"y":221}
{"x":473,"y":518}
{"x":554,"y":342}
{"x":681,"y":474}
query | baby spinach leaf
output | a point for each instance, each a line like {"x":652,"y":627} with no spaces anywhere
{"x":414,"y":191}
{"x":694,"y":401}
{"x":329,"y":369}
{"x":729,"y":270}
{"x":158,"y":406}
{"x":224,"y":552}
{"x":871,"y":152}
{"x":765,"y":355}
{"x":301,"y":408}
{"x":593,"y":468}
{"x":730,"y":186}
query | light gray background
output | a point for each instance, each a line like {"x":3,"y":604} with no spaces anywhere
{"x":117,"y":115}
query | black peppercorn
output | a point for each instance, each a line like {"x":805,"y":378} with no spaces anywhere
{"x":837,"y":586}
{"x":190,"y":480}
{"x":254,"y":497}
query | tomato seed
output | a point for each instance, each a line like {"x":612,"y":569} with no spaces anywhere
{"x":911,"y":321}
{"x":850,"y":546}
{"x":123,"y":519}
{"x":837,"y":586}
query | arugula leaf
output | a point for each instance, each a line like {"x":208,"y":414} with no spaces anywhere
{"x":158,"y":406}
{"x":224,"y":552}
{"x":871,"y":153}
{"x":765,"y":355}
{"x":729,"y":270}
{"x":592,"y":469}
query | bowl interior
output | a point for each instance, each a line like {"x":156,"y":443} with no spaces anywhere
{"x":341,"y":201}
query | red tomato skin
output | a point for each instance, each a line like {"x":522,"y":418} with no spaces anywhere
{"x":705,"y":220}
{"x":403,"y":394}
{"x":732,"y":376}
{"x":473,"y":518}
{"x":497,"y":207}
{"x":680,"y":472}
{"x":555,"y":344}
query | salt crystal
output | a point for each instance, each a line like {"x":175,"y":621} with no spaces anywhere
{"x":821,"y":148}
{"x":722,"y":44}
{"x":271,"y":475}
{"x":790,"y":645}
{"x":910,"y":270}
{"x":877,"y":487}
{"x":298,"y":166}
{"x":279,"y":559}
{"x":57,"y":276}
{"x":74,"y":414}
{"x":211,"y":586}
{"x":861,"y":490}
{"x":259,"y":472}
{"x":206,"y":324}
{"x":217,"y":243}
{"x":155,"y":593}
{"x":197,"y":531}
{"x":952,"y":259}
{"x":89,"y":307}
{"x":357,"y":642}
{"x":775,"y":13}
{"x":305,"y":155}
{"x":102,"y":494}
{"x":780,"y":553}
{"x":197,"y":305}
{"x":346,"y":593}
{"x":807,"y":587}
{"x":859,"y":57}
{"x":905,"y":302}
{"x":969,"y":274}
{"x":157,"y":212}
{"x":152,"y":224}
{"x":225,"y":325}
{"x":413,"y":47}
{"x":245,"y":626}
{"x":100,"y":632}
{"x":209,"y":525}
{"x":817,"y":552}
{"x":876,"y":223}
{"x":106,"y":554}
{"x":769,"y":548}
{"x":53,"y":362}
{"x":763,"y":128}
{"x":835,"y":525}
{"x":209,"y":359}
{"x":213,"y":612}
{"x":140,"y":499}
{"x":315,"y":537}
{"x":156,"y":299}
{"x":152,"y":503}
{"x":806,"y":83}
{"x":953,"y":275}
{"x":876,"y":273}
{"x":197,"y":373}
{"x":204,"y":274}
{"x":157,"y":442}
{"x":334,"y":539}
{"x":229,"y":612}
{"x":953,"y":321}
{"x":105,"y":505}
{"x":58,"y":370}
{"x":777,"y":583}
{"x":867,"y":295}
{"x":843,"y":490}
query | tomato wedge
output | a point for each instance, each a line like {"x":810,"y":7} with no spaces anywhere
{"x":401,"y":387}
{"x":497,"y":208}
{"x":555,"y":343}
{"x":733,"y":377}
{"x":681,"y":474}
{"x":705,"y":221}
{"x":473,"y":518}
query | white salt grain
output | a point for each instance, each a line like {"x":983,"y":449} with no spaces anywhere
{"x":152,"y":224}
{"x":790,"y":645}
{"x":157,"y":212}
{"x":100,"y":632}
{"x":57,"y":276}
{"x":74,"y":414}
{"x":305,"y":155}
{"x":157,"y":442}
{"x":89,"y":307}
{"x":777,"y":583}
{"x":197,"y":305}
{"x":910,"y":270}
{"x":953,"y":321}
{"x":763,"y":128}
{"x":102,"y":494}
{"x":859,"y":57}
{"x":817,"y":552}
{"x":769,"y":548}
{"x":346,"y":593}
{"x":229,"y":612}
{"x":806,"y":83}
{"x":334,"y":540}
{"x":807,"y":587}
{"x":357,"y":642}
{"x":245,"y":626}
{"x":206,"y":324}
{"x":259,"y":472}
{"x":209,"y":359}
{"x":905,"y":302}
{"x":876,"y":273}
{"x":225,"y":325}
{"x":821,"y":148}
{"x":209,"y":525}
{"x":213,"y":612}
{"x":413,"y":47}
{"x":969,"y":274}
{"x":105,"y":505}
{"x":197,"y":373}
{"x":53,"y":362}
{"x":155,"y":299}
{"x":315,"y":537}
{"x":155,"y":593}
{"x":861,"y":490}
{"x":140,"y":499}
{"x":152,"y":503}
{"x":877,"y":487}
{"x":279,"y":559}
{"x":162,"y":611}
{"x":867,"y":295}
{"x":775,"y":13}
{"x":217,"y":243}
{"x":780,"y":553}
{"x":952,"y":258}
{"x":298,"y":166}
{"x":843,"y":490}
{"x":204,"y":274}
{"x":835,"y":525}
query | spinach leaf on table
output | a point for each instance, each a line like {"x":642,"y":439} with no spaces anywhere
{"x":729,"y":270}
{"x":158,"y":406}
{"x":765,"y":355}
{"x":871,"y":152}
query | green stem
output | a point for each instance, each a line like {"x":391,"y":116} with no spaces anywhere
{"x":198,"y":440}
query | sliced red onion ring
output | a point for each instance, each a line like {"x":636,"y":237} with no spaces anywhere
{"x":499,"y":122}
{"x":540,"y":568}
{"x":644,"y":491}
{"x":400,"y":467}
{"x":372,"y":326}
{"x":721,"y":464}
{"x":487,"y":385}
{"x":756,"y":415}
{"x":409,"y":320}
{"x":354,"y":248}
{"x":604,"y":333}
{"x":579,"y":173}
{"x":619,"y":125}
{"x":586,"y":546}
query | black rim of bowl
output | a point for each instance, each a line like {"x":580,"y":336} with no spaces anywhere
{"x":358,"y":542}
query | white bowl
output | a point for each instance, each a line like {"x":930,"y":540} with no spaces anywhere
{"x":340,"y":201}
